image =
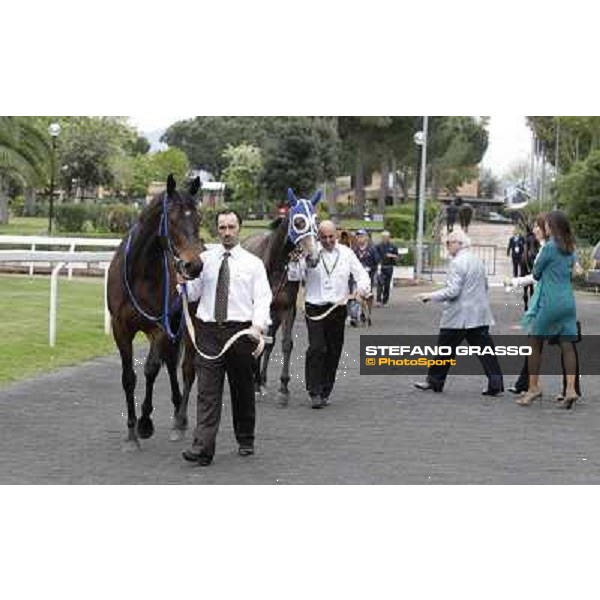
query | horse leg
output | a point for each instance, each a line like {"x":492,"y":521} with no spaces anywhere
{"x":263,"y":363}
{"x":287,"y":345}
{"x":145,"y":426}
{"x":188,"y":370}
{"x":124,"y":341}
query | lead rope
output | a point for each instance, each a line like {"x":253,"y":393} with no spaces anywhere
{"x":262,"y":340}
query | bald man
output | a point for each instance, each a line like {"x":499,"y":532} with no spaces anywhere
{"x":327,"y":292}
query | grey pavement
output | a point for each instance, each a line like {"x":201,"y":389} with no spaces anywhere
{"x":67,"y":427}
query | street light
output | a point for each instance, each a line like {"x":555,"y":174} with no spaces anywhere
{"x":421,"y":141}
{"x":54,"y":131}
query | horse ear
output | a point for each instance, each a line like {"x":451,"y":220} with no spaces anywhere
{"x":292,"y":200}
{"x":316,"y":198}
{"x":171,"y":184}
{"x":194,"y":186}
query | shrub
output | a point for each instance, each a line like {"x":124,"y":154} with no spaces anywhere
{"x":116,"y":218}
{"x":17,"y":206}
{"x":70,"y":217}
{"x":399,"y":226}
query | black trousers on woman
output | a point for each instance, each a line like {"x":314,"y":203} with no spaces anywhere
{"x":238,"y":364}
{"x":325,"y":342}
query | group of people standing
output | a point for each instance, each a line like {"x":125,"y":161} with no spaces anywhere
{"x":549,"y":317}
{"x":234,"y":295}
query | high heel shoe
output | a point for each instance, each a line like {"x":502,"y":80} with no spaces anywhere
{"x":528,"y":397}
{"x":569,"y":402}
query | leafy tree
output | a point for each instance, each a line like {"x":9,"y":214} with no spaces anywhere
{"x":578,"y":136}
{"x":24,"y":156}
{"x":489,"y":184}
{"x":242,"y":174}
{"x":579,"y":194}
{"x":294,"y":157}
{"x":88,"y":147}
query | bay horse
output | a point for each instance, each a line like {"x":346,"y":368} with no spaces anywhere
{"x":291,"y":236}
{"x":141,"y":296}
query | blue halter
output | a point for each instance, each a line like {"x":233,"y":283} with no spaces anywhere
{"x":302,"y":219}
{"x":167,"y":248}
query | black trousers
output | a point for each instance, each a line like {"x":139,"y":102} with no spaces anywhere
{"x":238,"y":364}
{"x":383,"y":287}
{"x":522,"y":383}
{"x":478,"y":336}
{"x":518,"y":266}
{"x":325,"y":342}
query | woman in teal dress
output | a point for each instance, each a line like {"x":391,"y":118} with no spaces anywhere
{"x":552,"y":312}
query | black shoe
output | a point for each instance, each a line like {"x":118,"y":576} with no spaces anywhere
{"x":513,"y":389}
{"x":353,"y":323}
{"x":425,"y":385}
{"x":196,"y":457}
{"x":492,"y":392}
{"x":316,"y":402}
{"x":246,"y":450}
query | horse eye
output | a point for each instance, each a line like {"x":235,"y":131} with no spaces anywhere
{"x":299,"y":222}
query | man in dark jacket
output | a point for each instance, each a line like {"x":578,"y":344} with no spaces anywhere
{"x":516,"y":250}
{"x":388,"y":255}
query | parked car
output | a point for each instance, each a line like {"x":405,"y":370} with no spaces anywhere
{"x":498,"y":218}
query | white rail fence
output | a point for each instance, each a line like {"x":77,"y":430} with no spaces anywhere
{"x":59,"y":260}
{"x":37,"y":243}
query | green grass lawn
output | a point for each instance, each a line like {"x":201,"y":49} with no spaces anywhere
{"x":24,"y":305}
{"x":25,"y":226}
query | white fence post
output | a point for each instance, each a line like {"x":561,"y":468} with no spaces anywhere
{"x":71,"y":249}
{"x":31,"y":264}
{"x":54,"y":302}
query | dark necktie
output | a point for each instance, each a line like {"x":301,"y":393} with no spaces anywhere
{"x":222,"y":294}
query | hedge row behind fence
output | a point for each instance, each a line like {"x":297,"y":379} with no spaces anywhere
{"x":103,"y":218}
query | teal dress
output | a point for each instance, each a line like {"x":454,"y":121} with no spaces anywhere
{"x":552,"y":312}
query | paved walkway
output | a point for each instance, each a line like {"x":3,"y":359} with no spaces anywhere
{"x":68,"y":426}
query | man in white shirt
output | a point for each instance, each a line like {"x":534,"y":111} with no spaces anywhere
{"x":234,"y":294}
{"x":327,"y":292}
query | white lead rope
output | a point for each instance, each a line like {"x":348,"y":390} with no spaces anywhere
{"x":332,"y":308}
{"x":262,"y":340}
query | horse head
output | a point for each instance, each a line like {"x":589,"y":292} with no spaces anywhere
{"x":179,"y":228}
{"x":302,"y":223}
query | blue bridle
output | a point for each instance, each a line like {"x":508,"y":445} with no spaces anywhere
{"x":302,"y":217}
{"x":167,"y":248}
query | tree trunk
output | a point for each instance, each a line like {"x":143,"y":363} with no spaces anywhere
{"x":384,"y":187}
{"x":3,"y":204}
{"x":359,"y":187}
{"x":30,"y":198}
{"x":332,"y":201}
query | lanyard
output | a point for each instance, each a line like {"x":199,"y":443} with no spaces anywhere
{"x":329,"y":273}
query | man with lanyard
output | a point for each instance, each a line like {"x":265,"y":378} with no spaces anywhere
{"x":326,"y":297}
{"x":234,"y":295}
{"x":388,"y":254}
{"x":516,"y":250}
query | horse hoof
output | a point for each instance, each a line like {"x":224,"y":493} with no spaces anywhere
{"x":131,"y":446}
{"x":177,"y":435}
{"x":145,"y":428}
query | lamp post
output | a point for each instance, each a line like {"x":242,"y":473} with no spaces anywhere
{"x":54,"y":131}
{"x":421,"y":140}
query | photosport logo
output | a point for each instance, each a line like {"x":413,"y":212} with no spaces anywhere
{"x":411,"y":355}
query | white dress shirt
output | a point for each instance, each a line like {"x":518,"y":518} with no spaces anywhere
{"x":249,"y":290}
{"x":327,"y":283}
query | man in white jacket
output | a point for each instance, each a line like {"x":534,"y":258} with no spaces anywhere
{"x":467,"y":314}
{"x":326,"y":298}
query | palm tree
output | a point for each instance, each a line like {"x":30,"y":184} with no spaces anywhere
{"x":24,"y":155}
